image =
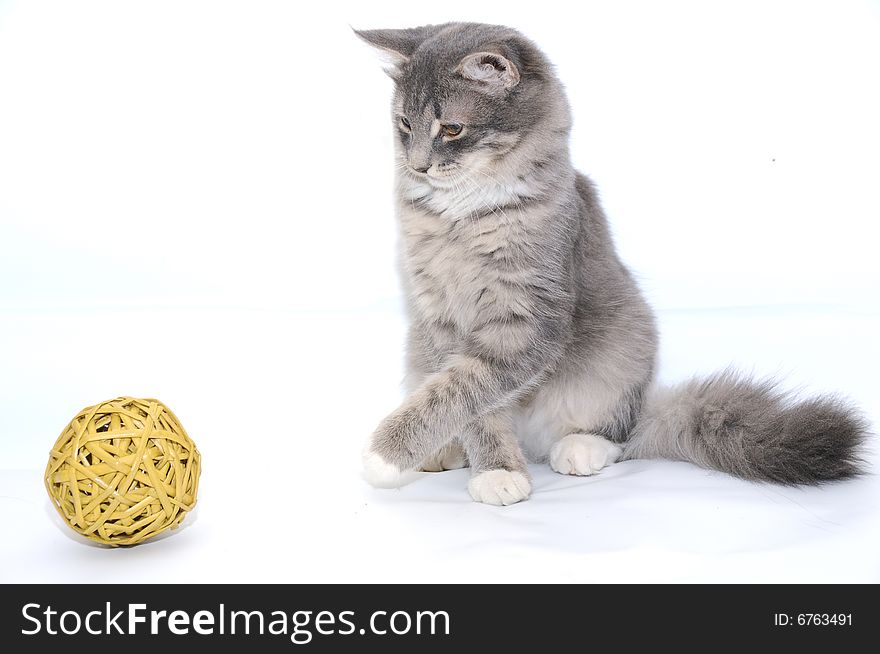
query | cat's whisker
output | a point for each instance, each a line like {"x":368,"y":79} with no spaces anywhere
{"x":492,"y":206}
{"x":463,"y":194}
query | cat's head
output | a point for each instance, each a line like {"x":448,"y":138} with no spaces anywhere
{"x":467,"y":96}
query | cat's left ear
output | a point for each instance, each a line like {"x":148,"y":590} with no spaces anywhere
{"x":493,"y":72}
{"x":396,"y":46}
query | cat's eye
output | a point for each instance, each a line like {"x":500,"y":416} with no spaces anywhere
{"x":452,"y":129}
{"x":404,"y":124}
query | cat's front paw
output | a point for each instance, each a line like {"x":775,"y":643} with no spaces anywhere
{"x":380,"y":473}
{"x":582,"y":454}
{"x":499,"y":487}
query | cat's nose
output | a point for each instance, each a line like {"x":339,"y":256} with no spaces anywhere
{"x":421,"y":168}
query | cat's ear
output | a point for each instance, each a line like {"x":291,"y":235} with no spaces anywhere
{"x":396,"y":46}
{"x":493,"y":72}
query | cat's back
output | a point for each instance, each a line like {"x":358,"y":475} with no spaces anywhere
{"x":595,"y":250}
{"x":609,"y":300}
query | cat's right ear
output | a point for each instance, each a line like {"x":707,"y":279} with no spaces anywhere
{"x":396,"y":46}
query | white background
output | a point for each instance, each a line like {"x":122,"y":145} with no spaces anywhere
{"x":195,"y":204}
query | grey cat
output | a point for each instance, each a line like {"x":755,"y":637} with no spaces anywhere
{"x":528,"y":338}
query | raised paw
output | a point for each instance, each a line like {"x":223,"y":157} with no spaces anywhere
{"x":450,"y":457}
{"x":382,"y":474}
{"x":583,"y":454}
{"x":499,"y":487}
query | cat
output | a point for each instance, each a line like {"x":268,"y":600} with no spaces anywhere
{"x":528,"y":338}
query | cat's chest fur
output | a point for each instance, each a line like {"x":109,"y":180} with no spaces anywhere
{"x":458,"y":271}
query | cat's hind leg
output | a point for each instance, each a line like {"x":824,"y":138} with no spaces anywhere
{"x":583,"y":454}
{"x":578,"y":421}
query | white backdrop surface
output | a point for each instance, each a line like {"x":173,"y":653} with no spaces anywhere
{"x":195,"y":205}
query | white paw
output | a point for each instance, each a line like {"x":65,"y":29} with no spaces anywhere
{"x":583,"y":454}
{"x":381,"y":474}
{"x":450,"y":457}
{"x":499,"y":487}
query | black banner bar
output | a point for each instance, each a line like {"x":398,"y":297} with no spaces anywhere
{"x":429,"y":618}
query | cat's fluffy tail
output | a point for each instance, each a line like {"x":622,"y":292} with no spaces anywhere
{"x":751,"y":429}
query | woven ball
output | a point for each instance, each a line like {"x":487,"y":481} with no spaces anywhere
{"x":123,"y":471}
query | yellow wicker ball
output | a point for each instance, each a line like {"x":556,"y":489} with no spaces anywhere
{"x":123,"y":471}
